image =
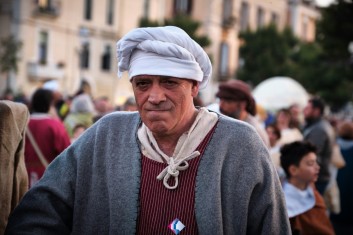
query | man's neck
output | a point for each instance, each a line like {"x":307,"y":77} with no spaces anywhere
{"x":298,"y":184}
{"x":311,"y":121}
{"x":167,"y":143}
{"x":243,"y":115}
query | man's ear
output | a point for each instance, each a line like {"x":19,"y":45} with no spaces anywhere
{"x":195,"y":88}
{"x":293,"y":169}
{"x":243,"y":104}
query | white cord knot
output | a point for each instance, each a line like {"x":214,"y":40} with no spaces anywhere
{"x":174,"y":168}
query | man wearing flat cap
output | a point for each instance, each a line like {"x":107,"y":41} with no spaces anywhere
{"x":236,"y":101}
{"x":169,"y":168}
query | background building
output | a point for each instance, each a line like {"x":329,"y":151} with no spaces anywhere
{"x":71,"y":41}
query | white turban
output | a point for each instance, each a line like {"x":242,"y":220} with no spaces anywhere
{"x":164,"y":51}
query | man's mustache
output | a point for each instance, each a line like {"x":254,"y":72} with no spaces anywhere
{"x":158,"y":107}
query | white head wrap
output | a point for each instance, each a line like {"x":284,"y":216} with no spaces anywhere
{"x":165,"y":51}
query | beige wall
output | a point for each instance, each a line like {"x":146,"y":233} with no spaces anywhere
{"x":306,"y":23}
{"x":64,"y":42}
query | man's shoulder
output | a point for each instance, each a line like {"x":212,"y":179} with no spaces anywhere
{"x":323,"y":126}
{"x":234,"y":129}
{"x":7,"y":107}
{"x":121,"y":115}
{"x":118,"y":120}
{"x":232,"y":124}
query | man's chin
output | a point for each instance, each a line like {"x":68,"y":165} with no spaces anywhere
{"x":158,"y":129}
{"x":232,"y":115}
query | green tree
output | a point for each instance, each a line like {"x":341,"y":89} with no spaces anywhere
{"x":266,"y":53}
{"x":9,"y":48}
{"x":324,"y":67}
{"x":184,"y":22}
{"x":334,"y":34}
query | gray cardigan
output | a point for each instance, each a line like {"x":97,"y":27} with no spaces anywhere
{"x":93,"y":186}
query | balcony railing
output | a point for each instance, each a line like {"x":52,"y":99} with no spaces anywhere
{"x":52,"y":9}
{"x":39,"y":72}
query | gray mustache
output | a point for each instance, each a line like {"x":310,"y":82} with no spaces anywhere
{"x":161,"y":107}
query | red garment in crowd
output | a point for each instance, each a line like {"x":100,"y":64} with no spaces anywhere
{"x":51,"y":137}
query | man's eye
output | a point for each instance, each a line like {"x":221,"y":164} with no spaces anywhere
{"x":170,"y":82}
{"x":141,"y":84}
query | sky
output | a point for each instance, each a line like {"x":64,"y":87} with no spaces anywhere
{"x":324,"y":3}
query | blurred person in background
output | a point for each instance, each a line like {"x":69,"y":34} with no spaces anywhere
{"x":8,"y":95}
{"x":102,"y":107}
{"x":274,"y":135}
{"x":82,"y":112}
{"x":58,"y":100}
{"x":306,"y":207}
{"x":297,"y":120}
{"x":130,"y":104}
{"x":13,"y":174}
{"x":236,"y":101}
{"x":343,"y":221}
{"x":288,"y":133}
{"x":77,"y":132}
{"x":319,"y":132}
{"x":49,"y":136}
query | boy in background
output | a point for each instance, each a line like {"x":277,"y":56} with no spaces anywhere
{"x":305,"y":206}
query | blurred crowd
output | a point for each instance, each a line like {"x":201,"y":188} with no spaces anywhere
{"x":54,"y":122}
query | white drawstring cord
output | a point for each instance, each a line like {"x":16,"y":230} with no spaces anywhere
{"x":173,"y":169}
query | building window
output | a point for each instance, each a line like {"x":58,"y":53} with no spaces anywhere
{"x":228,"y":19}
{"x":110,"y":11}
{"x":85,"y":56}
{"x":45,"y":4}
{"x":48,"y":7}
{"x":274,"y":18}
{"x":182,"y":7}
{"x":260,"y":17}
{"x":146,"y":8}
{"x":224,"y":60}
{"x":43,"y":47}
{"x":244,"y":16}
{"x":88,"y":10}
{"x":227,"y":8}
{"x":106,"y":58}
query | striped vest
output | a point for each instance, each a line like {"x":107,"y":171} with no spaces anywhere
{"x":160,"y":206}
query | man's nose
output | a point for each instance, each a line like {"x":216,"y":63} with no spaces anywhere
{"x":156,"y":94}
{"x":317,"y":166}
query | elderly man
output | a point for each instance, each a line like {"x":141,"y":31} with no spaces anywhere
{"x":168,"y":167}
{"x":236,"y":101}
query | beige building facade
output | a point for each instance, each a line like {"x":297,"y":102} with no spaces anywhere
{"x":71,"y":41}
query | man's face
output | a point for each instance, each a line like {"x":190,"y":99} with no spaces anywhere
{"x":308,"y":169}
{"x":310,"y":112}
{"x":231,"y":108}
{"x":165,"y":103}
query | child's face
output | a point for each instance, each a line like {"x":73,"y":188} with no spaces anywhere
{"x":308,"y":169}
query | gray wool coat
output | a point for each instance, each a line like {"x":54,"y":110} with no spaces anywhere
{"x":93,"y":186}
